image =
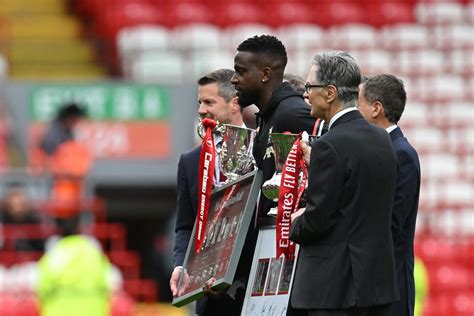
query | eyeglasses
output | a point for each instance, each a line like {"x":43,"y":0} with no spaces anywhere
{"x":308,"y":86}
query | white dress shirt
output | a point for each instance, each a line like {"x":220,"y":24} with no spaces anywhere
{"x":339,"y":114}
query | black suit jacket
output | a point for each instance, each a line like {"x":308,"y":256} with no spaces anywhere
{"x":346,"y":255}
{"x":186,"y":202}
{"x":405,"y":209}
{"x":187,"y":193}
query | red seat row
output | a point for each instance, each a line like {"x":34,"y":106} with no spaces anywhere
{"x":26,"y":304}
{"x":109,"y":16}
{"x":112,"y":236}
{"x":460,"y":304}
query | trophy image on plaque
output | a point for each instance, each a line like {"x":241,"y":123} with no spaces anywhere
{"x":282,"y":144}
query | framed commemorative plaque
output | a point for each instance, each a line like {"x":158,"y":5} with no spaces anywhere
{"x":229,"y":216}
{"x":270,"y":278}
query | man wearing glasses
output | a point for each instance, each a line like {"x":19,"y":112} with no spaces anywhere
{"x":346,"y":262}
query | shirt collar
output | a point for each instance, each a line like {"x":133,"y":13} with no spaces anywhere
{"x":391,"y":128}
{"x":339,"y":114}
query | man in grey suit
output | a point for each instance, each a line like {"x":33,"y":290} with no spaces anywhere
{"x":346,"y":263}
{"x":382,"y":100}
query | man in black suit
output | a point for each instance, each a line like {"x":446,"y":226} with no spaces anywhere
{"x":259,"y":68}
{"x":346,"y":264}
{"x":382,"y":100}
{"x":217,"y":100}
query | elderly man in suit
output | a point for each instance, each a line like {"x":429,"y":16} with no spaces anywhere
{"x":382,"y":101}
{"x":218,"y":101}
{"x":346,"y":264}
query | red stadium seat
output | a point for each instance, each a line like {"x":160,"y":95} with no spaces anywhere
{"x":302,"y":38}
{"x":127,"y":261}
{"x":27,"y":305}
{"x":419,"y":63}
{"x":8,"y":304}
{"x":122,"y":304}
{"x":112,"y":235}
{"x":455,"y":36}
{"x":338,"y":12}
{"x":404,"y":36}
{"x":184,"y":12}
{"x":440,"y":89}
{"x":439,"y":12}
{"x":11,"y":257}
{"x":287,"y":13}
{"x":389,"y":12}
{"x":129,"y":14}
{"x":351,"y":37}
{"x":233,"y":13}
{"x":142,"y":290}
{"x":448,"y":278}
{"x":458,"y":304}
{"x":460,"y":62}
{"x":435,"y":250}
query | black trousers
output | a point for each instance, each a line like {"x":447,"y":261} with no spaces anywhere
{"x":379,"y":310}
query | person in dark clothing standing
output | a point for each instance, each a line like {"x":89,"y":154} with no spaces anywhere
{"x":259,"y":67}
{"x":345,"y":265}
{"x":382,"y":101}
{"x":61,"y":128}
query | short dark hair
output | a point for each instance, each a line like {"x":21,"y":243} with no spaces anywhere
{"x":388,"y":90}
{"x":222,"y":77}
{"x":69,"y":110}
{"x":296,"y":82}
{"x":338,"y":68}
{"x":265,"y":45}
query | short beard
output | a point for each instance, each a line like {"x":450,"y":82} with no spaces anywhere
{"x":246,"y":100}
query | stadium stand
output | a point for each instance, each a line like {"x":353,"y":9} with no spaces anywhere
{"x":41,"y":40}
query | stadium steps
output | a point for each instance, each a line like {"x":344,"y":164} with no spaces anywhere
{"x":41,"y":40}
{"x":8,"y":7}
{"x":50,"y":51}
{"x":56,"y":71}
{"x":44,"y":26}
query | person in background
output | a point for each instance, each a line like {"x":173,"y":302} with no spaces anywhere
{"x":217,"y":100}
{"x":296,"y":82}
{"x":382,"y":100}
{"x":61,"y":129}
{"x":74,"y":276}
{"x":259,"y":67}
{"x":17,"y":210}
{"x":66,"y":159}
{"x":346,"y":264}
{"x":422,"y":286}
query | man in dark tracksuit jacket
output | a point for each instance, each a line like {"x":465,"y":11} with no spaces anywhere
{"x":259,"y":67}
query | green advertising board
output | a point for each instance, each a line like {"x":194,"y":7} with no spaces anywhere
{"x":105,"y":102}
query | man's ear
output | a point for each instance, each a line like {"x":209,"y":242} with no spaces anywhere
{"x":378,"y":110}
{"x":234,"y":105}
{"x":331,"y":93}
{"x":267,"y":73}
